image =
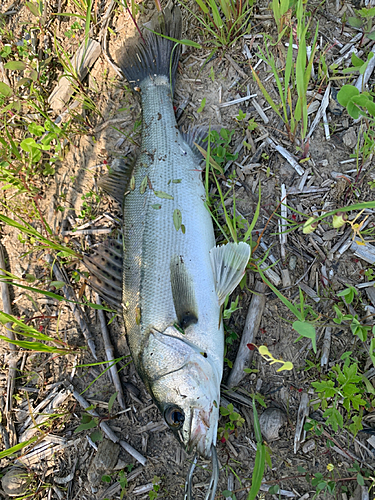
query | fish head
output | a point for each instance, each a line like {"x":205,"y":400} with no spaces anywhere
{"x":185,"y":385}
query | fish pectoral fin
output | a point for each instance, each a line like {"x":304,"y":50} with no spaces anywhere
{"x":183,"y":293}
{"x":105,"y":267}
{"x":116,"y":183}
{"x":228,"y":265}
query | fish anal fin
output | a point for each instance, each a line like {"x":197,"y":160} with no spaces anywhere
{"x":183,"y":293}
{"x":228,"y":264}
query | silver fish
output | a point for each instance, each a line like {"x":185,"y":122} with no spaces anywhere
{"x":174,"y":278}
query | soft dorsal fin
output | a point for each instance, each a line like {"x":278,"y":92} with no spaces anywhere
{"x":117,"y":181}
{"x":105,"y":267}
{"x":228,"y":265}
{"x":183,"y":293}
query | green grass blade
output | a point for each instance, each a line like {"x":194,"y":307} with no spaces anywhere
{"x":265,"y":93}
{"x":255,"y":218}
{"x":260,"y":459}
{"x":292,"y":308}
{"x":17,"y":447}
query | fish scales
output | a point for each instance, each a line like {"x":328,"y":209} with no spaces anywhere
{"x":151,"y":236}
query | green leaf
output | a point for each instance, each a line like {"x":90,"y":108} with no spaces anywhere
{"x":360,"y":480}
{"x":33,"y":8}
{"x":259,"y":466}
{"x":201,"y":107}
{"x":29,"y":144}
{"x":162,"y":194}
{"x":15,"y":65}
{"x":356,"y":61}
{"x":5,"y":90}
{"x":306,"y":330}
{"x":177,"y":219}
{"x":346,"y":93}
{"x":89,"y":425}
{"x":111,"y":401}
{"x":35,"y":129}
{"x":96,"y":436}
{"x":58,"y":284}
{"x":355,"y":22}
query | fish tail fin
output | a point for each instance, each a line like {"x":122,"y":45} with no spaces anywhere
{"x":154,"y":55}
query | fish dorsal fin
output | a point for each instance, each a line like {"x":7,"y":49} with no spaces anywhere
{"x":228,"y":265}
{"x":183,"y":293}
{"x":117,"y":181}
{"x":105,"y":267}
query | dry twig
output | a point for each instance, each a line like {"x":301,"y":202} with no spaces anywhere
{"x":254,"y":315}
{"x":9,"y":333}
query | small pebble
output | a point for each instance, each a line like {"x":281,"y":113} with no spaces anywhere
{"x":308,"y":446}
{"x":350,"y":138}
{"x":271,"y":421}
{"x":15,"y":482}
{"x":292,"y":262}
{"x":104,"y":462}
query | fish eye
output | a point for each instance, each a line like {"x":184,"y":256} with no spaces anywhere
{"x":174,"y":417}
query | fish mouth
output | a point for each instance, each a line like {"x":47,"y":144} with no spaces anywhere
{"x":202,"y":432}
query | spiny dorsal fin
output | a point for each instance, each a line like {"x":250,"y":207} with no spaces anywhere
{"x":116,"y":182}
{"x":105,"y":267}
{"x":228,"y":264}
{"x":183,"y":293}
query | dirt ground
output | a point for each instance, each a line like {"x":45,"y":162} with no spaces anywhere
{"x":70,"y":197}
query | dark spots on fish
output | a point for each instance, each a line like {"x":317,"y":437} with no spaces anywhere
{"x":188,"y":319}
{"x":159,"y":116}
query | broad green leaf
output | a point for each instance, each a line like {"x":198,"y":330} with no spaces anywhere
{"x":306,"y":330}
{"x":28,"y":144}
{"x":5,"y":90}
{"x":36,"y":129}
{"x":15,"y":65}
{"x":355,"y":22}
{"x":356,"y":61}
{"x":346,"y":93}
{"x":96,"y":436}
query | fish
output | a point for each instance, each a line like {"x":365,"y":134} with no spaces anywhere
{"x":167,"y":274}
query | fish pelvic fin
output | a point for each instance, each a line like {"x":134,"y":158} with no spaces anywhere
{"x":105,"y":266}
{"x":117,"y":181}
{"x":228,"y":264}
{"x":183,"y":293}
{"x":155,"y":55}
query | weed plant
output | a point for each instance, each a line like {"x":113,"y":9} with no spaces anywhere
{"x":295,"y":78}
{"x":223,"y":21}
